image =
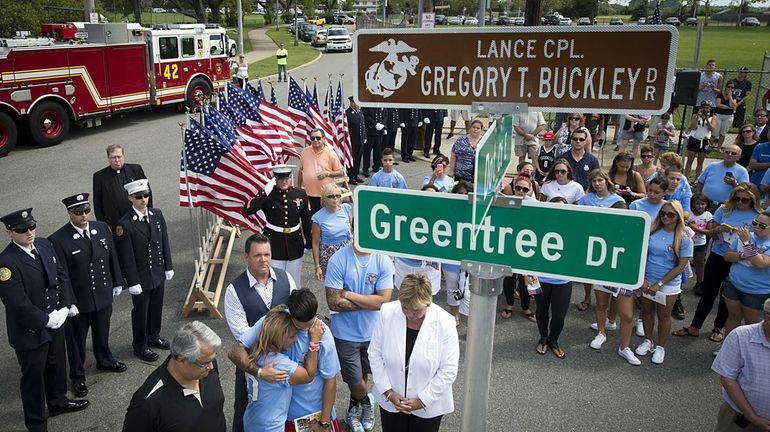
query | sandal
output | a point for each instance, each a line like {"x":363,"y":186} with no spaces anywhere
{"x":457,"y":321}
{"x":583,"y":306}
{"x":684,"y":331}
{"x":506,"y":313}
{"x":530,"y":316}
{"x":717,"y":335}
{"x":542,"y":347}
{"x":557,"y":351}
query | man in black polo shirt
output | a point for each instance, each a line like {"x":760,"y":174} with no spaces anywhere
{"x":184,"y":393}
{"x":582,"y":163}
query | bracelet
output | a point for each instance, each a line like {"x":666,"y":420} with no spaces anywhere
{"x":314,"y":346}
{"x":387,"y":395}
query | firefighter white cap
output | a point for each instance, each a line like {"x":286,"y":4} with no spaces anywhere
{"x":137,"y":186}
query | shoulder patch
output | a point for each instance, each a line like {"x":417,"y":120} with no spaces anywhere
{"x":5,"y":274}
{"x":119,"y":230}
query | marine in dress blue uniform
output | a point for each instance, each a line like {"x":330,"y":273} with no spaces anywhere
{"x":35,"y":291}
{"x":86,"y":250}
{"x":357,"y":130}
{"x":141,"y":239}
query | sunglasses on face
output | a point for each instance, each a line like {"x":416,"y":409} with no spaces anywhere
{"x":747,"y":131}
{"x":574,"y":118}
{"x":141,"y":195}
{"x":743,"y":200}
{"x":731,"y":153}
{"x":759,"y":224}
{"x":80,"y":212}
{"x":760,"y":115}
{"x":560,"y":171}
{"x":646,"y":156}
{"x":667,"y":214}
{"x":334,"y":196}
{"x":578,"y":139}
{"x":24,"y":230}
{"x":316,"y":138}
{"x":521,"y":189}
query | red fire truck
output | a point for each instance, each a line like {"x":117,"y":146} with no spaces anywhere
{"x":45,"y":84}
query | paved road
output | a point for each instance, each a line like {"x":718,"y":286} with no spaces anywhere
{"x":589,"y":390}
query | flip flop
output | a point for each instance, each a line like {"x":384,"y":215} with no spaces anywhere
{"x":556,"y":353}
{"x":541,"y":348}
{"x":583,"y":306}
{"x":530,"y":316}
{"x":717,"y":335}
{"x":684,"y":332}
{"x":506,"y":313}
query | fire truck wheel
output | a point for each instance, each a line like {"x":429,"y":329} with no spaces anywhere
{"x":198,"y":89}
{"x":48,"y":124}
{"x":8,"y":134}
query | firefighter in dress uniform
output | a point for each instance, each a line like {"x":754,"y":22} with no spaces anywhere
{"x":141,"y":239}
{"x":35,"y":291}
{"x":86,"y":250}
{"x":287,"y":211}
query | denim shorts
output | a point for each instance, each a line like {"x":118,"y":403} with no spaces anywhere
{"x":631,"y":135}
{"x":751,"y":301}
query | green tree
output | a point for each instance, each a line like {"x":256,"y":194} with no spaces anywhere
{"x":29,"y":14}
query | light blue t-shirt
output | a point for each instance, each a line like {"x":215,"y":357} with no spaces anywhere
{"x":737,"y":218}
{"x":593,"y":200}
{"x":552,"y":281}
{"x":712,"y":179}
{"x":444,"y":185}
{"x":646,"y":206}
{"x":393,"y":180}
{"x":661,"y":258}
{"x":683,"y":194}
{"x":744,"y":275}
{"x":305,"y":398}
{"x":765,"y":179}
{"x":335,"y":227}
{"x":363,"y":275}
{"x":453,"y":268}
{"x":761,"y":154}
{"x":268,"y":412}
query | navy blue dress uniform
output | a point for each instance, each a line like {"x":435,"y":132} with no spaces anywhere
{"x":357,"y":130}
{"x":433,"y":128}
{"x":88,"y":254}
{"x":410,"y":119}
{"x":287,"y":212}
{"x":392,"y":122}
{"x":145,"y":259}
{"x":374,"y":119}
{"x":35,"y":291}
{"x":110,"y":198}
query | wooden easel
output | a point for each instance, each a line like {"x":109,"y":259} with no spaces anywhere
{"x":214,"y":255}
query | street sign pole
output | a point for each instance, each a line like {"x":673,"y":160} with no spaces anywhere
{"x":486,"y":285}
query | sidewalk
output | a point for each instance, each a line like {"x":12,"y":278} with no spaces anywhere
{"x":262,"y":46}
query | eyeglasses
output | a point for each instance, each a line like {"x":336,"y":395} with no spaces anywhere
{"x":578,"y":139}
{"x":574,"y":118}
{"x":743,"y":200}
{"x":80,"y":212}
{"x":646,"y":156}
{"x":23,"y":230}
{"x":208,"y":365}
{"x":759,"y":224}
{"x":141,"y":195}
{"x":521,"y":189}
{"x":667,"y":214}
{"x":560,"y":171}
{"x":731,"y":153}
{"x":316,"y":138}
{"x":334,"y":196}
{"x":747,"y":131}
{"x":760,"y":115}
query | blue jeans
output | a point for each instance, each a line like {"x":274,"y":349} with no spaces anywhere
{"x":282,"y":70}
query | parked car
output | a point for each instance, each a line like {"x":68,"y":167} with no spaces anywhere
{"x":338,"y":39}
{"x":642,"y":21}
{"x":319,"y":38}
{"x":565,"y":21}
{"x":503,"y":20}
{"x":319,"y":21}
{"x":692,"y":21}
{"x":453,"y":20}
{"x":674,"y":21}
{"x":441,"y":20}
{"x":584,"y":21}
{"x":616,"y":21}
{"x":308,"y":30}
{"x":341,"y":19}
{"x":750,"y":22}
{"x":519,"y":21}
{"x":551,"y":20}
{"x":487,"y":20}
{"x":300,"y":22}
{"x":471,"y":21}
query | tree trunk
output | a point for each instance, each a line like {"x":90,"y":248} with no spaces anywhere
{"x":137,"y":10}
{"x":532,"y":12}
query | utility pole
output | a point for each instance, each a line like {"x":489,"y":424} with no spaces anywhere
{"x":88,"y":7}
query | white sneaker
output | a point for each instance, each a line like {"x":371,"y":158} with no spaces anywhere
{"x":645,"y":348}
{"x":639,"y":328}
{"x":629,"y":356}
{"x":716,"y":351}
{"x":367,"y":414}
{"x":658,"y":355}
{"x":607,"y":325}
{"x":598,"y":341}
{"x":353,"y":419}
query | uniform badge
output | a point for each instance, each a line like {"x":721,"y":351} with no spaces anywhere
{"x":119,"y":230}
{"x":298,"y":203}
{"x":93,"y":232}
{"x":80,"y":197}
{"x":135,"y":217}
{"x":75,"y":236}
{"x":5,"y":274}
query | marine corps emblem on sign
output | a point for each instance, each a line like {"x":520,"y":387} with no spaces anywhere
{"x":387,"y":76}
{"x":5,"y":274}
{"x":119,"y":230}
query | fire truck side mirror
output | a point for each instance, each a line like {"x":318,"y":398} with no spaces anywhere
{"x":214,"y":50}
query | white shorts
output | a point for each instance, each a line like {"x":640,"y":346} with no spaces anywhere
{"x":451,"y":280}
{"x":724,"y":123}
{"x":455,"y":113}
{"x":434,"y":275}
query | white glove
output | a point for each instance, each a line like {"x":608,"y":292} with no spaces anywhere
{"x":426,"y":120}
{"x":116,"y":291}
{"x":379,"y":126}
{"x":72,"y":311}
{"x":169,"y":274}
{"x":419,"y":124}
{"x":135,"y":290}
{"x":402,"y":125}
{"x":385,"y":132}
{"x":57,"y":318}
{"x":364,"y":140}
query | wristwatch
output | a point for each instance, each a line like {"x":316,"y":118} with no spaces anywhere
{"x":659,"y":284}
{"x":325,"y":425}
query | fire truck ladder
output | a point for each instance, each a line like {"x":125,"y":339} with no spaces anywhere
{"x":27,"y":42}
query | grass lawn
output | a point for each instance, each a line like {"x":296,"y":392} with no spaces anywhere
{"x":731,"y":47}
{"x":298,"y":55}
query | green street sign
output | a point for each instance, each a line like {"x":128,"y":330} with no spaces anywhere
{"x":493,"y":154}
{"x":584,"y":244}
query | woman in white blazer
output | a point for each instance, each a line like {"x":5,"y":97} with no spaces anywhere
{"x":414,"y":353}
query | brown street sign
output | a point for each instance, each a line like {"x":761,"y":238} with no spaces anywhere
{"x":609,"y":69}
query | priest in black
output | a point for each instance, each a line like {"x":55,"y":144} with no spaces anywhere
{"x":110,"y":198}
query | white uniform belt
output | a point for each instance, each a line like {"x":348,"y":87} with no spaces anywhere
{"x":285,"y":230}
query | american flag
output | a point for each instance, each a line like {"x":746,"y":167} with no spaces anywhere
{"x":237,"y":100}
{"x":232,"y":112}
{"x":263,"y":146}
{"x":258,"y":93}
{"x":312,"y":98}
{"x":342,"y":135}
{"x":298,"y":105}
{"x":329,"y":101}
{"x":273,"y":98}
{"x":253,"y":103}
{"x":656,"y":15}
{"x":219,"y":124}
{"x":218,"y":177}
{"x":283,"y":122}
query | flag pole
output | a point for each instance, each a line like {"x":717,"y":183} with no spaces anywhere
{"x":190,"y":206}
